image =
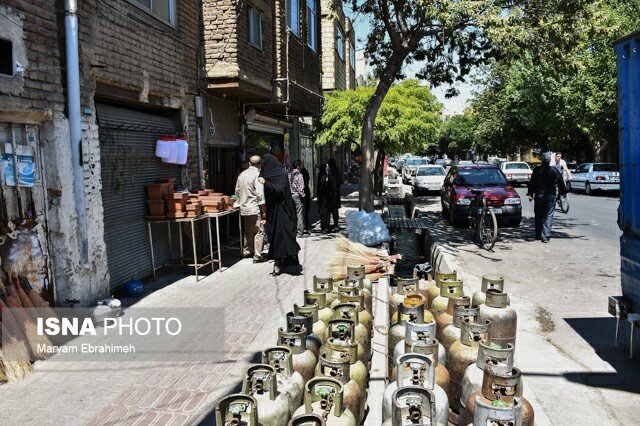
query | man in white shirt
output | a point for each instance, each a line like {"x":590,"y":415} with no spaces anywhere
{"x":253,"y":210}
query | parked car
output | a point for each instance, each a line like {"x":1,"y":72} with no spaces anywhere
{"x":517,"y":172}
{"x":399,"y":166}
{"x":410,"y":167}
{"x":572,"y":166}
{"x":465,"y":163}
{"x":428,"y":178}
{"x":500,"y":194}
{"x":440,"y":162}
{"x":591,"y":177}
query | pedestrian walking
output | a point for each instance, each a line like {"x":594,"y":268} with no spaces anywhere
{"x":250,"y":194}
{"x":296,"y":183}
{"x":307,"y":197}
{"x":280,"y":226}
{"x":332,"y":201}
{"x":545,"y":184}
{"x":321,"y":186}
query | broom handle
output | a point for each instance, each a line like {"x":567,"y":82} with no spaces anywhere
{"x":25,"y":283}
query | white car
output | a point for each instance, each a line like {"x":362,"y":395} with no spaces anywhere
{"x":591,"y":177}
{"x":428,"y":178}
{"x":410,"y":166}
{"x":517,"y":172}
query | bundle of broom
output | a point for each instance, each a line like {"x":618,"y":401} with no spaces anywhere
{"x":14,"y":354}
{"x":349,"y":253}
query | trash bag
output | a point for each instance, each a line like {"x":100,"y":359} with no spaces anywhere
{"x":366,"y":228}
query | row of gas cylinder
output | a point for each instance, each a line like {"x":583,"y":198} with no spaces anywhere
{"x":317,"y":374}
{"x":452,"y":356}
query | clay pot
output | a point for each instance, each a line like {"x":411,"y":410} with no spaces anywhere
{"x":156,"y":208}
{"x":155,"y":191}
{"x":203,"y":192}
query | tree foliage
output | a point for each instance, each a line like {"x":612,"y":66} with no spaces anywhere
{"x":408,"y":119}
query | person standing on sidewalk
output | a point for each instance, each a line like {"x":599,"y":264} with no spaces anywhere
{"x":546,"y":182}
{"x":332,"y":194}
{"x":281,"y":214}
{"x":296,"y":182}
{"x":307,"y":197}
{"x":321,"y":187}
{"x":250,"y":194}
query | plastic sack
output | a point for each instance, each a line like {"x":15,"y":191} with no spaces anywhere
{"x":366,"y":228}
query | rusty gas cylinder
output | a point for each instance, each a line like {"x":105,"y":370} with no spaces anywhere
{"x":339,"y":368}
{"x":359,"y":274}
{"x":300,"y":322}
{"x":323,"y":396}
{"x":353,"y":295}
{"x":446,"y":318}
{"x":350,"y":311}
{"x":359,"y":283}
{"x":499,"y":390}
{"x":504,"y":319}
{"x":448,"y":289}
{"x":325,"y":284}
{"x":463,"y":353}
{"x":434,"y":291}
{"x":357,"y":371}
{"x":290,"y":382}
{"x":304,"y":361}
{"x":487,"y":283}
{"x":260,"y":382}
{"x":452,"y":332}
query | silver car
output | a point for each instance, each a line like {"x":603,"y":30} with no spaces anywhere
{"x":428,"y":178}
{"x":591,"y":177}
{"x":410,"y":166}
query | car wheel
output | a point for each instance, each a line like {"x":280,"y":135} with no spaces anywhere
{"x":587,"y":188}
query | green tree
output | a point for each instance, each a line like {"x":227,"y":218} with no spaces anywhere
{"x":459,"y":133}
{"x":407,"y":121}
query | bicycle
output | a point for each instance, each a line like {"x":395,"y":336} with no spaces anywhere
{"x":562,"y":201}
{"x":483,"y":224}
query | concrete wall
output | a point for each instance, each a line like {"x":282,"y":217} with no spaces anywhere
{"x":334,"y":75}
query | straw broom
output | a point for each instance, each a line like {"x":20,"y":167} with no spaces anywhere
{"x":344,"y":245}
{"x":28,"y":325}
{"x":42,"y":305}
{"x":15,"y":356}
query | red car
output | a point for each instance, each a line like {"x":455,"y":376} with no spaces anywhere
{"x":501,"y":196}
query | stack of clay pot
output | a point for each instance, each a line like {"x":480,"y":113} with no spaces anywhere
{"x":156,"y":197}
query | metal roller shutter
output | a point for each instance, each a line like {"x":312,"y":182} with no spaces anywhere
{"x":128,"y":163}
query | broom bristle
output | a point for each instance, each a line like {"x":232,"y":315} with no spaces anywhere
{"x":15,"y":356}
{"x":42,"y":305}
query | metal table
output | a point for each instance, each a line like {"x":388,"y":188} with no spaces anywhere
{"x":217,"y":217}
{"x":197,"y":264}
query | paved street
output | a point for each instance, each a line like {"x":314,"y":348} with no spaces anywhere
{"x":565,"y":342}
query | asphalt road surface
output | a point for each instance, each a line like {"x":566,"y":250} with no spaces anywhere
{"x":573,"y":373}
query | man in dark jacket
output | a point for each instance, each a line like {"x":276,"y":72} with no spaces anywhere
{"x":546,"y":182}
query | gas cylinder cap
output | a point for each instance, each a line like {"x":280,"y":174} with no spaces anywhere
{"x":322,"y":284}
{"x":492,"y":282}
{"x":453,"y":302}
{"x":472,"y":333}
{"x":415,"y":403}
{"x":497,"y":385}
{"x":419,"y":331}
{"x":440,"y":276}
{"x":461,"y":313}
{"x":499,"y":358}
{"x":406,"y":285}
{"x":451,"y":288}
{"x":496,"y":298}
{"x":428,"y":347}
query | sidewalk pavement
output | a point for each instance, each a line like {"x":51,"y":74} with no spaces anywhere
{"x":142,"y":393}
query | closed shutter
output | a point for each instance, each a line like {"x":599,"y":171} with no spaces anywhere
{"x":128,"y":163}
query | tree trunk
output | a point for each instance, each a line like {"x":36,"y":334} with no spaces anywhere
{"x":598,"y":146}
{"x":379,"y":172}
{"x":368,"y":154}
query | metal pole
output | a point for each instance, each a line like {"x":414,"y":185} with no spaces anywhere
{"x":73,"y":98}
{"x":195,"y":251}
{"x":16,"y":174}
{"x":153,"y":259}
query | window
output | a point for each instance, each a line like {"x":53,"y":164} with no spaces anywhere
{"x":352,"y":56}
{"x":312,"y":31}
{"x":293,"y":16}
{"x":516,"y":166}
{"x":6,"y":57}
{"x":606,"y":167}
{"x":164,"y":10}
{"x":340,"y":43}
{"x":483,"y":176}
{"x":255,"y":28}
{"x":430,"y":171}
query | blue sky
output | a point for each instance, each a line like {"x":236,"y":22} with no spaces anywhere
{"x":451,"y":106}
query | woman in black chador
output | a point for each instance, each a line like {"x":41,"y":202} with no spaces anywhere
{"x":332,"y":194}
{"x":281,"y":214}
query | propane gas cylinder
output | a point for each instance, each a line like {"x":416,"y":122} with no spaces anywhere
{"x":323,"y":396}
{"x":304,"y":361}
{"x":319,"y":328}
{"x":414,"y":299}
{"x":448,"y":289}
{"x":237,"y":410}
{"x":446,"y":318}
{"x":350,"y":311}
{"x":499,"y":390}
{"x":307,"y":420}
{"x":325,"y":285}
{"x":359,"y":283}
{"x":353,"y":295}
{"x":415,"y":332}
{"x":342,"y":331}
{"x":357,"y":371}
{"x":417,"y":370}
{"x":260,"y":382}
{"x":339,"y":368}
{"x":504,"y":319}
{"x":452,"y":332}
{"x":434,"y":291}
{"x":398,"y":330}
{"x":487,"y":283}
{"x":412,"y":405}
{"x":431,"y":348}
{"x":463,"y":353}
{"x":299,"y":322}
{"x":290,"y":382}
{"x":403,"y":286}
{"x":359,"y":273}
{"x":324,"y":311}
{"x":500,"y":359}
